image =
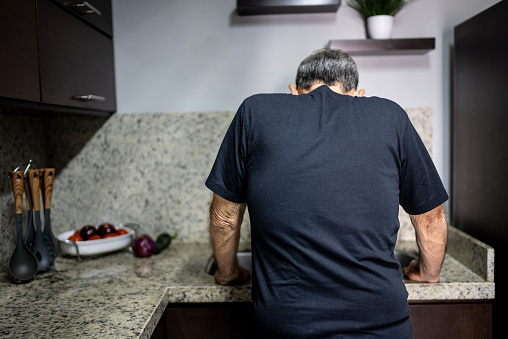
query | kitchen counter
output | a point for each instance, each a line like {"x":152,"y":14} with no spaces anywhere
{"x":120,"y":296}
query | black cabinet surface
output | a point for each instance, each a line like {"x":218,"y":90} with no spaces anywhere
{"x":77,"y":66}
{"x":56,"y":56}
{"x":479,"y":138}
{"x":19,"y":67}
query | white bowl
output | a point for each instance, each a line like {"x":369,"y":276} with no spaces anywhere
{"x":94,"y":247}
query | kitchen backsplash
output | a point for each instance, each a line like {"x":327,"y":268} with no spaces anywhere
{"x":145,"y":168}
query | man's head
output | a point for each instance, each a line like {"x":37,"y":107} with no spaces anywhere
{"x":333,"y":68}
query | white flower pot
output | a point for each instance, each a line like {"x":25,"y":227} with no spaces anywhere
{"x":380,"y":26}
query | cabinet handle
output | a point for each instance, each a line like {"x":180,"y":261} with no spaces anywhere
{"x":86,"y":8}
{"x":89,"y":97}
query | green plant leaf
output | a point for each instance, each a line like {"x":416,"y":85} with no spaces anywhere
{"x":368,"y":8}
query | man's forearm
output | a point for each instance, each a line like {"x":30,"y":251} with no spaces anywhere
{"x":225,"y":222}
{"x":431,"y":236}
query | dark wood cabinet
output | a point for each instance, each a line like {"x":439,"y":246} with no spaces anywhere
{"x":76,"y":61}
{"x":206,"y":320}
{"x":461,"y":320}
{"x":446,"y":319}
{"x":479,"y":188}
{"x":57,"y":56}
{"x":19,"y":68}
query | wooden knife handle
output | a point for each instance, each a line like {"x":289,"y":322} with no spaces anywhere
{"x":33,"y":177}
{"x":49,"y":177}
{"x":27,"y":198}
{"x":17,"y":189}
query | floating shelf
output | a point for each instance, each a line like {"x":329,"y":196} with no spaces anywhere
{"x":260,"y":7}
{"x":384,"y":47}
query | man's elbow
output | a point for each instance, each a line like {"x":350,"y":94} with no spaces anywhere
{"x":432,"y":223}
{"x":435,"y":218}
{"x":221,"y":222}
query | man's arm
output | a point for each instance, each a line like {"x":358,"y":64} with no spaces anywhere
{"x":431,"y":235}
{"x":225,"y":221}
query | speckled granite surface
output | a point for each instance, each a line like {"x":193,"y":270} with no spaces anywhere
{"x":478,"y":256}
{"x":120,"y":296}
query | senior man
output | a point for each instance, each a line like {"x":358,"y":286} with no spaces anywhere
{"x":323,"y":172}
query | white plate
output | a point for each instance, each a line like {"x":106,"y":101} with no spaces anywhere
{"x":95,"y":247}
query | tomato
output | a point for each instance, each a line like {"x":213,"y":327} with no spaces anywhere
{"x":110,"y":235}
{"x":77,"y":233}
{"x":94,"y":237}
{"x":75,"y":237}
{"x":121,"y":231}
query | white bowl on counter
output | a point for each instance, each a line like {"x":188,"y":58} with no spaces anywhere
{"x":95,"y":247}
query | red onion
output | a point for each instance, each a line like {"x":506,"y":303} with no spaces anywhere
{"x":143,"y":246}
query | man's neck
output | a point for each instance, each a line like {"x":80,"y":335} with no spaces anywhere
{"x":337,"y":88}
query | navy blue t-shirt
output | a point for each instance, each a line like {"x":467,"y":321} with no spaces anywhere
{"x":323,"y":175}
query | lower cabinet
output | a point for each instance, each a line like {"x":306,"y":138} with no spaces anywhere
{"x":207,"y":320}
{"x":451,"y":320}
{"x":435,"y":319}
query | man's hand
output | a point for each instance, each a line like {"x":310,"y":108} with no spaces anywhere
{"x":413,"y":271}
{"x":239,"y":276}
{"x":431,"y":234}
{"x":225,"y":221}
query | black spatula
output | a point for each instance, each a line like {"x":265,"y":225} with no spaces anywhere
{"x":22,"y":264}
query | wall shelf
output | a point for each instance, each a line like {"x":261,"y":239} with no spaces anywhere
{"x":261,"y":7}
{"x":384,"y":47}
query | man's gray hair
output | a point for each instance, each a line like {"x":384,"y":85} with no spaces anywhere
{"x":330,"y":67}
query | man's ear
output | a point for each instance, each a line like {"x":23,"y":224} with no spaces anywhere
{"x":359,"y":93}
{"x":293,"y":89}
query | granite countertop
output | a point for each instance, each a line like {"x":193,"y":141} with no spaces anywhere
{"x":121,"y":296}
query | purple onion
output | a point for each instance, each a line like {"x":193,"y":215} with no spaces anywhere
{"x":143,"y":246}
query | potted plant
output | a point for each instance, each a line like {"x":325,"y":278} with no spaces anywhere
{"x":378,"y":15}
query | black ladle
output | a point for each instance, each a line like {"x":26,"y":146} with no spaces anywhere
{"x":41,"y":250}
{"x":22,"y":265}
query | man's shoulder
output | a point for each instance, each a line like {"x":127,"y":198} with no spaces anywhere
{"x":384,"y":101}
{"x":387,"y":107}
{"x":263,"y":98}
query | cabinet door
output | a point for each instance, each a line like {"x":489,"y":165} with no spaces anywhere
{"x":19,"y":69}
{"x":451,"y":320}
{"x":76,"y":61}
{"x":211,"y":321}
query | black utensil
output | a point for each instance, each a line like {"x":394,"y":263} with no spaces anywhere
{"x":47,"y":189}
{"x":22,"y":264}
{"x":40,"y":249}
{"x":30,"y":232}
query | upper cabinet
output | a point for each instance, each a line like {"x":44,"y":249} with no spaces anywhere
{"x":19,"y":65}
{"x":76,"y":61}
{"x":71,"y":43}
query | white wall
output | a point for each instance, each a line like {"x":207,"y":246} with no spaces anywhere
{"x":197,"y":55}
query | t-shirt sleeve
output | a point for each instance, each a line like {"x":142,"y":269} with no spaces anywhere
{"x":227,"y":177}
{"x":421,"y":188}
